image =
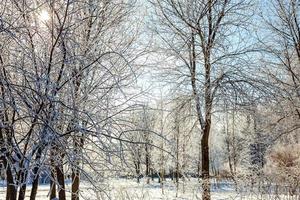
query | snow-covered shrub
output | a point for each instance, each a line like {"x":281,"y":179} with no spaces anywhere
{"x":283,"y":166}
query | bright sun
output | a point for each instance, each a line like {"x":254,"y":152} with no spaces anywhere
{"x":44,"y":16}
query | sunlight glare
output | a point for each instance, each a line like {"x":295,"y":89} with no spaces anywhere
{"x":44,"y":16}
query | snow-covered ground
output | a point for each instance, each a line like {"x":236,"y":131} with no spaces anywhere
{"x":123,"y":189}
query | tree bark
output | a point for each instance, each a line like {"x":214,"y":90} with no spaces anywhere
{"x":137,"y":169}
{"x":147,"y":162}
{"x":36,"y":175}
{"x":205,"y":163}
{"x":61,"y":181}
{"x":75,"y":170}
{"x":11,"y":192}
{"x":52,"y":180}
{"x":75,"y":184}
{"x":22,"y":191}
{"x":34,"y":186}
{"x":52,"y":187}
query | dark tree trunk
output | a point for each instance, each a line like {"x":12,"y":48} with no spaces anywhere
{"x":138,"y":170}
{"x":36,"y":175}
{"x":23,"y":174}
{"x":61,"y":181}
{"x":177,"y":157}
{"x":147,"y":164}
{"x":22,"y":191}
{"x":53,"y":171}
{"x":11,"y":192}
{"x":22,"y":177}
{"x":205,"y":162}
{"x":10,"y":183}
{"x":75,"y":184}
{"x":52,"y":187}
{"x":35,"y":184}
{"x":152,"y":174}
{"x":75,"y":170}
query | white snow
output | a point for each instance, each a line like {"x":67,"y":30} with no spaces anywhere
{"x":123,"y":189}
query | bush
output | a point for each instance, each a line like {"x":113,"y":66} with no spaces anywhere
{"x":283,"y":166}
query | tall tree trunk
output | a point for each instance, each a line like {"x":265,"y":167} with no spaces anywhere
{"x":162,"y":168}
{"x":53,"y":179}
{"x":75,"y":184}
{"x":10,"y":183}
{"x":205,"y":163}
{"x":206,"y":132}
{"x":152,"y":174}
{"x":11,"y":192}
{"x":36,"y":175}
{"x":147,"y":162}
{"x":52,"y":186}
{"x":23,"y":174}
{"x":61,"y":181}
{"x":75,"y":169}
{"x":177,"y":158}
{"x":22,"y":191}
{"x":35,"y":185}
{"x":138,"y":169}
{"x":205,"y":123}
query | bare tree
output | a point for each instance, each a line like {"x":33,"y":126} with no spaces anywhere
{"x":59,"y":59}
{"x":199,"y":36}
{"x":281,"y":56}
